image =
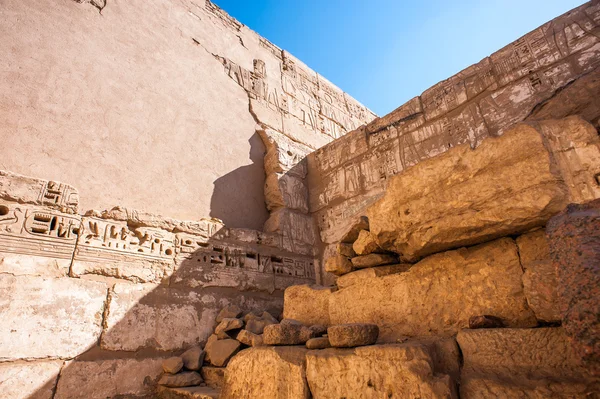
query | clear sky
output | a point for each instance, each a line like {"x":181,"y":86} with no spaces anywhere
{"x":384,"y":52}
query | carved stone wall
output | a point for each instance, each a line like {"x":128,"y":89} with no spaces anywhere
{"x":551,"y":72}
{"x":160,"y":99}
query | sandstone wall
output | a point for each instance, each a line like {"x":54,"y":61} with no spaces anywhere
{"x":548,"y":73}
{"x":153,"y":105}
{"x":92,"y":303}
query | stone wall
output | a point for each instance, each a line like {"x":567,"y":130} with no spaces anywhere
{"x":160,"y":100}
{"x":91,"y":303}
{"x":551,"y":72}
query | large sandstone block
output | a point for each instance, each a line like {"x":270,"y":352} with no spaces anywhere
{"x":438,"y":295}
{"x":267,"y":372}
{"x":28,"y":380}
{"x":540,"y":281}
{"x":507,"y":185}
{"x":307,"y":304}
{"x":357,"y":277}
{"x":44,"y":317}
{"x":574,"y":240}
{"x":531,"y":363}
{"x":108,"y":378}
{"x":390,"y":371}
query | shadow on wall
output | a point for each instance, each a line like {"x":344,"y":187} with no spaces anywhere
{"x":238,"y":198}
{"x":147,"y":323}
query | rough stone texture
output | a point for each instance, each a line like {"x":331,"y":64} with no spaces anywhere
{"x":28,"y":380}
{"x":172,"y":365}
{"x":193,"y":358}
{"x":540,"y":280}
{"x":287,"y":334}
{"x":485,"y":321}
{"x":373,"y":260}
{"x":574,"y":239}
{"x":307,"y":304}
{"x":187,"y":393}
{"x":318,"y":343}
{"x":338,"y":265}
{"x":508,"y":185}
{"x":362,"y":223}
{"x":192,"y":96}
{"x":220,"y":351}
{"x":267,"y":372}
{"x":257,"y":325}
{"x":250,"y":339}
{"x":346,"y":250}
{"x":357,"y":277}
{"x":45,"y":317}
{"x":213,"y":376}
{"x":438,"y":295}
{"x":398,"y":371}
{"x":184,"y":379}
{"x":546,"y":365}
{"x":351,"y":335}
{"x":108,"y":378}
{"x":228,"y":325}
{"x":366,"y":243}
{"x":229,"y":312}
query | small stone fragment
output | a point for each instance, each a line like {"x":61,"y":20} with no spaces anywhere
{"x":352,"y":335}
{"x":318,"y":329}
{"x":269,"y":317}
{"x":338,"y":265}
{"x":172,"y":365}
{"x":193,"y":358}
{"x":229,"y":324}
{"x":372,"y":260}
{"x":286,"y":333}
{"x":219,"y":352}
{"x":257,"y":325}
{"x":250,"y":316}
{"x":229,"y":312}
{"x":366,"y":243}
{"x":185,"y":379}
{"x":346,"y":250}
{"x":361,"y":224}
{"x":250,"y":339}
{"x":485,"y":321}
{"x":213,"y":376}
{"x":318,"y":343}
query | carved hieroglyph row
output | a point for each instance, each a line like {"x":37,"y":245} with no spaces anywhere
{"x":481,"y":101}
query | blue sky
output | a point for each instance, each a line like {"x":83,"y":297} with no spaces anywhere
{"x":384,"y":52}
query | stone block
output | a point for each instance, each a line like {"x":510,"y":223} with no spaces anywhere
{"x":213,"y":376}
{"x":373,"y":260}
{"x":318,"y":343}
{"x":399,"y":371}
{"x":286,"y":191}
{"x":438,"y":295}
{"x":193,"y":358}
{"x":249,"y":339}
{"x":31,"y":265}
{"x":508,"y":185}
{"x":29,"y":380}
{"x":351,"y":335}
{"x":358,"y":276}
{"x":366,"y":243}
{"x":44,"y":317}
{"x":346,"y":250}
{"x":229,"y":324}
{"x":307,"y":304}
{"x":108,"y":378}
{"x":267,"y":372}
{"x":187,"y":393}
{"x":351,"y":235}
{"x":184,"y":379}
{"x":172,"y":365}
{"x":338,"y":265}
{"x":287,"y":334}
{"x":220,"y":351}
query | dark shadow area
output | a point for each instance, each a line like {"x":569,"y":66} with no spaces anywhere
{"x":238,"y":198}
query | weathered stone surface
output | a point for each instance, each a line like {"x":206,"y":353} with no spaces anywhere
{"x":229,"y":324}
{"x":44,"y":317}
{"x":187,"y":393}
{"x":574,"y":240}
{"x":184,"y":379}
{"x":108,"y":378}
{"x":338,"y":265}
{"x":346,"y":250}
{"x":213,"y":376}
{"x":257,"y":325}
{"x":267,"y":372}
{"x":172,"y":365}
{"x":362,"y":223}
{"x":286,"y":191}
{"x":540,"y":280}
{"x":229,"y":312}
{"x":220,"y":351}
{"x":29,"y":380}
{"x":438,"y":295}
{"x":287,"y":334}
{"x":366,"y":243}
{"x":318,"y":329}
{"x":398,"y":371}
{"x":293,"y":225}
{"x":508,"y":185}
{"x":250,"y":339}
{"x":193,"y":358}
{"x":359,"y":276}
{"x":31,"y":265}
{"x":307,"y":304}
{"x":373,"y":260}
{"x":485,"y":321}
{"x":546,"y":364}
{"x":351,"y":335}
{"x":318,"y":343}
